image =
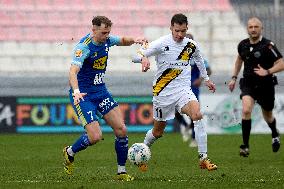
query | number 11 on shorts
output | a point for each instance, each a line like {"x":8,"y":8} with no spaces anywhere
{"x":159,"y":112}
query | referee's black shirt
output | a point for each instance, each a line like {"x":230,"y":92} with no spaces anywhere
{"x":264,"y":53}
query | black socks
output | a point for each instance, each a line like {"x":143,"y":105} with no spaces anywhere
{"x":273,"y":128}
{"x":246,"y":127}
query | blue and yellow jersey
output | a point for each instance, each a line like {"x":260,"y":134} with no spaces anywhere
{"x":92,"y":60}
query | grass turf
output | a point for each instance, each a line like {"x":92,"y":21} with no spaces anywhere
{"x":35,"y":161}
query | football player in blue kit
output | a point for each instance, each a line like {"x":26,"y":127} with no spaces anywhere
{"x":89,"y":95}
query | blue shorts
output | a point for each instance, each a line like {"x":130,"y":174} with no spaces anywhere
{"x":93,"y":105}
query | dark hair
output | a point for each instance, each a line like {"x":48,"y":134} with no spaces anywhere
{"x":98,"y":20}
{"x":179,"y":19}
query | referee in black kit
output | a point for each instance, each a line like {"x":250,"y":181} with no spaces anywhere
{"x":261,"y":60}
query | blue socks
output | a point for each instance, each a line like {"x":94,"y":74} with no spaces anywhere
{"x":81,"y":144}
{"x":121,"y":148}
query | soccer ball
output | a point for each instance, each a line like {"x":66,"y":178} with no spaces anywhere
{"x":139,"y":153}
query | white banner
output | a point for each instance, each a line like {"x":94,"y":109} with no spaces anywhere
{"x":223,"y":114}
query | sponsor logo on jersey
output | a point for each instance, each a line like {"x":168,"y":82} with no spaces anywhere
{"x":99,"y":78}
{"x":180,"y":63}
{"x":100,"y":63}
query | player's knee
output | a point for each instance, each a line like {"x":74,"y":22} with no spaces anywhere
{"x":121,"y":131}
{"x":95,"y":138}
{"x":158,"y":133}
{"x":196,"y":116}
{"x":246,"y":112}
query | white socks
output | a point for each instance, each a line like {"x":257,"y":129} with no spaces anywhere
{"x":201,"y":139}
{"x":70,"y":151}
{"x":121,"y":169}
{"x":149,"y":138}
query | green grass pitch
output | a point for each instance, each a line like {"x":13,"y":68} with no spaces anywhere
{"x":35,"y":161}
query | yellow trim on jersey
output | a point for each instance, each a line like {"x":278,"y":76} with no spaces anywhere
{"x":81,"y":116}
{"x":167,"y":76}
{"x":87,"y":41}
{"x":84,"y":122}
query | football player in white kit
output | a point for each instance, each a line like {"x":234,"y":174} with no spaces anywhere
{"x":171,"y":89}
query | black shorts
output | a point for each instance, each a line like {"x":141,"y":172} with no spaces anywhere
{"x":262,"y":92}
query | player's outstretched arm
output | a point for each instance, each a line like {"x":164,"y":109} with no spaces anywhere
{"x":127,"y":41}
{"x":147,"y":50}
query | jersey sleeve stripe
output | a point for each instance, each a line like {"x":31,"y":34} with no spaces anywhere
{"x":87,"y":41}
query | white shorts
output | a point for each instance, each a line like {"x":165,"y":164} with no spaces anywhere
{"x":164,"y":107}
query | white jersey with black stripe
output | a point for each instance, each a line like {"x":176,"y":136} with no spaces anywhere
{"x":173,"y":65}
